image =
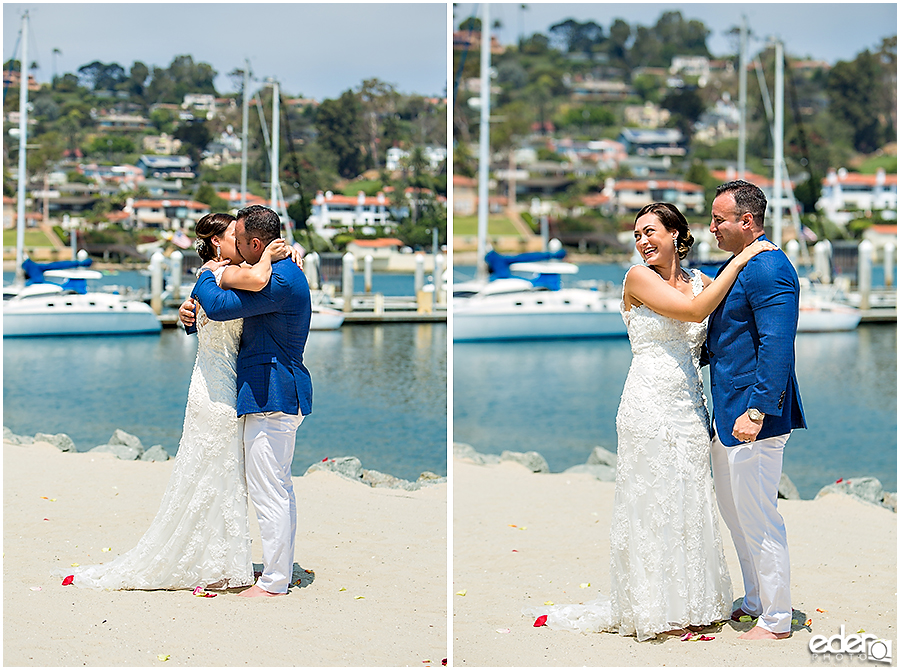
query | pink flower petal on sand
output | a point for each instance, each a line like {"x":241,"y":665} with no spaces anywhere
{"x":540,"y":621}
{"x":687,"y":637}
{"x":68,"y":580}
{"x":706,"y":638}
{"x":200,"y":593}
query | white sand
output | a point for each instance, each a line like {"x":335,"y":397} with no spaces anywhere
{"x":377,"y":597}
{"x":843,"y":561}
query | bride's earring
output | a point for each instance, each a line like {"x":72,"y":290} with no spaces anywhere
{"x":218,"y":252}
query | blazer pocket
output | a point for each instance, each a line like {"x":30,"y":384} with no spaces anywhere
{"x":744,"y":380}
{"x":257,"y":359}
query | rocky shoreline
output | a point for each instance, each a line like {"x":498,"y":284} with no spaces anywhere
{"x":127,"y":447}
{"x":601,"y":464}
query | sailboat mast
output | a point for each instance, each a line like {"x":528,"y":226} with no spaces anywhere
{"x":245,"y":123}
{"x":778,"y":141}
{"x":742,"y":102}
{"x":484,"y":140}
{"x":275,"y":130}
{"x":23,"y":139}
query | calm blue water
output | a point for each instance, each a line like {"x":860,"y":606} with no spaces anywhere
{"x":380,"y":391}
{"x":560,"y":399}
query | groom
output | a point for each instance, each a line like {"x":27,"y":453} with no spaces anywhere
{"x":750,"y":345}
{"x":274,"y":387}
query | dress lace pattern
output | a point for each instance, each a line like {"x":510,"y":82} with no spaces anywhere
{"x":201,"y":535}
{"x":667,"y":565}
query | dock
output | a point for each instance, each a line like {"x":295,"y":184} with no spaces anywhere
{"x":881,"y":315}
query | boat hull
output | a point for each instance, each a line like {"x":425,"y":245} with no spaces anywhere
{"x":325,"y":319}
{"x":827,"y":319}
{"x":537,"y":315}
{"x":88,"y":314}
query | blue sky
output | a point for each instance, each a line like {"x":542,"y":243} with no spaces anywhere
{"x":317,"y":50}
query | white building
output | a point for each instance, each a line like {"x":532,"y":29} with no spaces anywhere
{"x":847,"y":195}
{"x":332,"y":211}
{"x":691,"y":66}
{"x":434,"y":155}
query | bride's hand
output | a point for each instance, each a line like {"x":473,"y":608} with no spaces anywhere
{"x":276,"y":250}
{"x":213,"y":265}
{"x":296,"y":256}
{"x":753,"y":249}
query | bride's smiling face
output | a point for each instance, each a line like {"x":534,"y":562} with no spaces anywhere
{"x":654,"y":243}
{"x":228,"y":245}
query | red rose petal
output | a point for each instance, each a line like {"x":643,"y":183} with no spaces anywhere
{"x":325,"y":460}
{"x":839,"y":480}
{"x":68,"y":580}
{"x":540,"y":621}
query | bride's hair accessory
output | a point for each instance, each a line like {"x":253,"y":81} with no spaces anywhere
{"x":208,"y":226}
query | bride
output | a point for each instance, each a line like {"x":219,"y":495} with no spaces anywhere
{"x":667,"y":566}
{"x":200,"y":536}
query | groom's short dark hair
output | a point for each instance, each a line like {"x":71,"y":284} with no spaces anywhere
{"x":260,"y":222}
{"x":747,"y":198}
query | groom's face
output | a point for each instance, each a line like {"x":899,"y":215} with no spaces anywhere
{"x":728,"y":227}
{"x":249,"y":248}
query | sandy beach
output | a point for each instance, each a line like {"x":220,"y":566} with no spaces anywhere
{"x":521,"y":539}
{"x":373,"y":560}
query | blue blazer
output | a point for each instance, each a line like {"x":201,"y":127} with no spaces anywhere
{"x":750,"y":348}
{"x":271,"y":376}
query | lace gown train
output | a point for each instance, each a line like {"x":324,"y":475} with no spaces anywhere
{"x":667,"y":566}
{"x":201,"y":535}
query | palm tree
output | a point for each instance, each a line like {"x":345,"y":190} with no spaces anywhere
{"x":56,"y":52}
{"x":522,"y":9}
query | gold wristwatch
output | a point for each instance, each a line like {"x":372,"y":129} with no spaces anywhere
{"x":755,"y":415}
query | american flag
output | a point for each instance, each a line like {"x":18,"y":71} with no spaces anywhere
{"x":179,"y":239}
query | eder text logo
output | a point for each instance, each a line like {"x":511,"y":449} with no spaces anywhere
{"x":864,"y":646}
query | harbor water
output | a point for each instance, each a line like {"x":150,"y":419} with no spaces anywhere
{"x":380,"y":391}
{"x":560,"y":398}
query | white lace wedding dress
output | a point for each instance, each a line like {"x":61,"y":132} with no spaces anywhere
{"x":667,"y":566}
{"x":201,"y":535}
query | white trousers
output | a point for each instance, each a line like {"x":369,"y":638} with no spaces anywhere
{"x":746,"y":478}
{"x":268,"y":452}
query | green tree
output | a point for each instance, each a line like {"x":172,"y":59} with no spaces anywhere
{"x":106,"y":145}
{"x":577,"y":37}
{"x":855,"y":91}
{"x":686,"y":107}
{"x":207,"y":194}
{"x":137,"y":79}
{"x":537,"y":44}
{"x":194,"y":136}
{"x":99,"y":76}
{"x":163,"y":120}
{"x":473,"y":23}
{"x":339,"y":125}
{"x":617,"y":44}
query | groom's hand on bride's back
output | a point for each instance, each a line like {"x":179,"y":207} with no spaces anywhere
{"x":187,"y":313}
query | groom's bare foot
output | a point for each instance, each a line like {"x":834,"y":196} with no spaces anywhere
{"x":257,"y":592}
{"x":759,"y":633}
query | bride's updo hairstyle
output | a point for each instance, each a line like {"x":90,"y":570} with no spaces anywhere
{"x":673,"y":221}
{"x":211,"y":224}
